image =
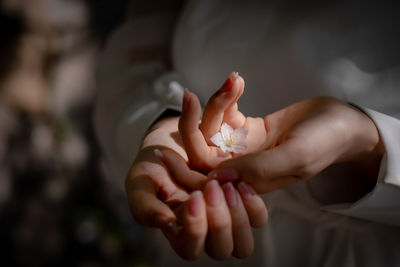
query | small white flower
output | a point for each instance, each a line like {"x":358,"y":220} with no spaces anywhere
{"x":230,"y":140}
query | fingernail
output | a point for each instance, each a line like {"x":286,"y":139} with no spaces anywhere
{"x":224,"y":175}
{"x":158,"y":154}
{"x":186,"y":99}
{"x":230,"y":194}
{"x":246,"y":191}
{"x":227,"y":86}
{"x":212,"y":194}
{"x":195,"y":207}
{"x":172,"y":227}
{"x":166,"y":224}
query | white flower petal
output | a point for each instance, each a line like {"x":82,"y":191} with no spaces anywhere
{"x":239,"y":148}
{"x":239,"y":135}
{"x":226,"y":131}
{"x":226,"y":149}
{"x":218,"y":140}
{"x":230,"y":140}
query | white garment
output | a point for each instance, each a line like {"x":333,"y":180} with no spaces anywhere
{"x":284,"y":57}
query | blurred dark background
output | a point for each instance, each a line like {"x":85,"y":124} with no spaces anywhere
{"x":55,"y":207}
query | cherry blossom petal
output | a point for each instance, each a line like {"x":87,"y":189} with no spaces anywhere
{"x":239,"y":148}
{"x":239,"y":135}
{"x":226,"y":131}
{"x":225,"y":148}
{"x":218,"y":140}
{"x":230,"y":140}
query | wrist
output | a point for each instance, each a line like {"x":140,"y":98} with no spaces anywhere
{"x":165,"y":124}
{"x":371,"y":148}
{"x":164,"y":118}
{"x":164,"y":133}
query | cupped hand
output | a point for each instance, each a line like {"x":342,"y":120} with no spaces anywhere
{"x":156,"y":199}
{"x":160,"y":189}
{"x":229,"y":218}
{"x":228,"y":213}
{"x":302,"y":140}
{"x":222,"y":107}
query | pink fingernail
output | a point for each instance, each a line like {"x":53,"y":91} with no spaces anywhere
{"x":212,"y":194}
{"x":166,"y":224}
{"x":228,"y":84}
{"x":230,"y":194}
{"x":195,"y":206}
{"x":224,"y":175}
{"x":246,"y":191}
{"x":158,"y":154}
{"x":172,"y":227}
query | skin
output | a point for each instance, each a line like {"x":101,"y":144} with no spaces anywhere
{"x":166,"y":191}
{"x":286,"y":147}
{"x":299,"y":141}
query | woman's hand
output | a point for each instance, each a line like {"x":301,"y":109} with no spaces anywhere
{"x":222,"y":107}
{"x":159,"y":200}
{"x":215,"y":220}
{"x":151,"y":189}
{"x":160,"y":189}
{"x":302,"y":140}
{"x":228,"y":213}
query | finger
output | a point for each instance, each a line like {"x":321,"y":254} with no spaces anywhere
{"x":269,"y":169}
{"x":223,"y":104}
{"x":180,"y":171}
{"x":201,"y":156}
{"x":145,"y":206}
{"x":190,"y":241}
{"x":232,"y":115}
{"x":254,"y":205}
{"x":241,"y":229}
{"x":219,"y":240}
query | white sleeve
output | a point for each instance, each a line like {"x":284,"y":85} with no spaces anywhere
{"x":382,"y":204}
{"x":131,"y":95}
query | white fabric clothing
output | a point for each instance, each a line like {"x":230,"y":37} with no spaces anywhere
{"x":285,"y":56}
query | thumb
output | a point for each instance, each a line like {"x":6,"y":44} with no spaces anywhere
{"x":265,"y":171}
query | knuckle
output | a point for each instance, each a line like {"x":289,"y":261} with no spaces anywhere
{"x":196,"y":232}
{"x":220,"y":225}
{"x":200,"y":164}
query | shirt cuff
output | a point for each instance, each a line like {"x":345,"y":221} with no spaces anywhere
{"x":165,"y":93}
{"x":382,"y":204}
{"x":122,"y":135}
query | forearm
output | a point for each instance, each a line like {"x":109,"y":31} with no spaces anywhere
{"x":167,"y":126}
